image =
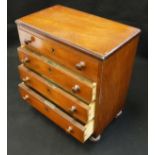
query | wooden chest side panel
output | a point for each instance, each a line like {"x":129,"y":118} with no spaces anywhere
{"x":114,"y":83}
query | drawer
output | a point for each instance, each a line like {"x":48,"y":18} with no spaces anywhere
{"x":61,"y":53}
{"x":77,"y":85}
{"x":71,"y":126}
{"x":67,"y":102}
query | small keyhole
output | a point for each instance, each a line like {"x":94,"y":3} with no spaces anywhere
{"x":48,"y":90}
{"x":52,"y":50}
{"x":49,"y":69}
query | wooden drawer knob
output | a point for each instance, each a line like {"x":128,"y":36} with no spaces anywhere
{"x":76,"y":88}
{"x":72,"y":109}
{"x":26,"y":79}
{"x":69,"y":129}
{"x":24,"y":60}
{"x":80,"y":65}
{"x":28,"y":41}
{"x":25,"y":97}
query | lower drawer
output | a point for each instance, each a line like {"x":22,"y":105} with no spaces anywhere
{"x":67,"y":102}
{"x":71,"y":126}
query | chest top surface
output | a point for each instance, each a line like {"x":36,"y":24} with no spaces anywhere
{"x":92,"y":34}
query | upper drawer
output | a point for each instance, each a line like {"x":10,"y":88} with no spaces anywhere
{"x":60,"y":75}
{"x":77,"y":61}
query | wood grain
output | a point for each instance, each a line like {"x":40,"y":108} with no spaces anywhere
{"x":114,"y":82}
{"x":58,"y":74}
{"x":79,"y":131}
{"x":95,"y":35}
{"x":54,"y":41}
{"x":60,"y":53}
{"x":83,"y":112}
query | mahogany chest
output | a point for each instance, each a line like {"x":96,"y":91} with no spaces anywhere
{"x":75,"y":68}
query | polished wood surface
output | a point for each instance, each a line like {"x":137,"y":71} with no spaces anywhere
{"x":114,"y":82}
{"x":95,"y":35}
{"x":80,"y":62}
{"x":70,"y":104}
{"x":60,"y":75}
{"x":60,"y":53}
{"x":71,"y":126}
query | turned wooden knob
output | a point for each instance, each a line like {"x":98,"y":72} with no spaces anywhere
{"x":26,"y":79}
{"x":72,"y":109}
{"x":69,"y":129}
{"x":24,"y":60}
{"x":28,"y":41}
{"x":76,"y":88}
{"x":25,"y":97}
{"x":80,"y":65}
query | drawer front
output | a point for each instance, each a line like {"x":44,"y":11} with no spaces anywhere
{"x":71,"y":126}
{"x":77,"y":85}
{"x":70,"y":57}
{"x":70,"y":104}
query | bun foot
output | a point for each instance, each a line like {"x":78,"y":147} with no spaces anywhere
{"x":95,"y":139}
{"x":119,"y":114}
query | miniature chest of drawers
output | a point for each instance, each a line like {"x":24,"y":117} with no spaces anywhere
{"x":75,"y":68}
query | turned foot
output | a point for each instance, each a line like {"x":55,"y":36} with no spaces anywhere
{"x":119,"y":114}
{"x":95,"y":139}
